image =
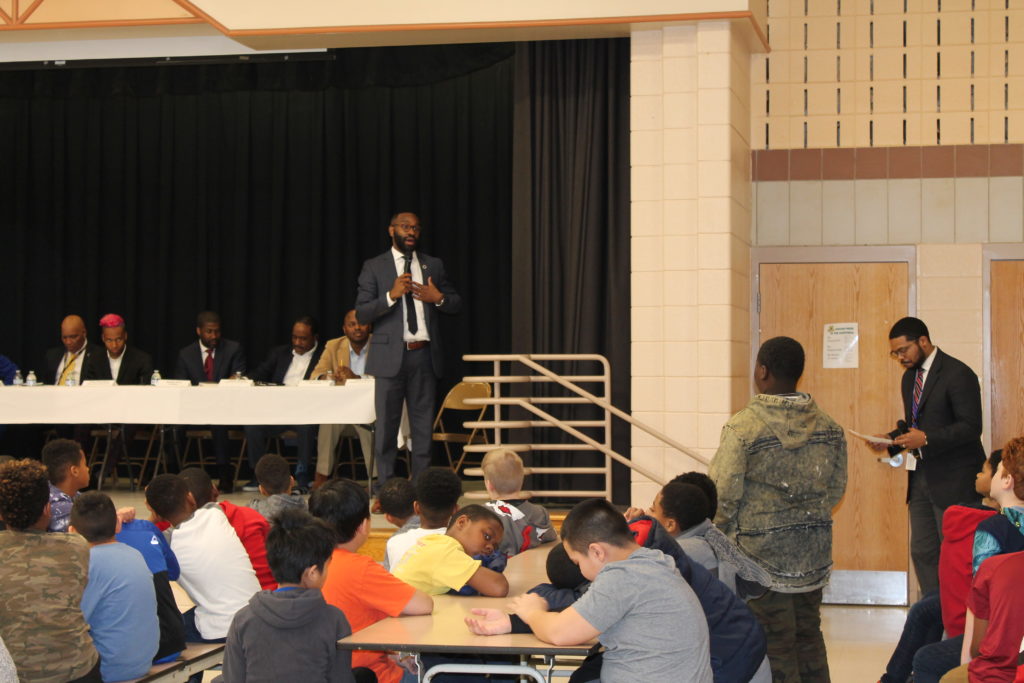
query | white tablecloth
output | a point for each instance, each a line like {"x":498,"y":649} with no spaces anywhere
{"x":203,"y":405}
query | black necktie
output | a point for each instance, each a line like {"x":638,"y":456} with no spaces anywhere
{"x":410,"y":304}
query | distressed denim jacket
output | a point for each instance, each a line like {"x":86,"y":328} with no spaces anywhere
{"x":780,"y":469}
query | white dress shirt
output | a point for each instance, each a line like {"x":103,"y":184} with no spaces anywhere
{"x":927,"y":365}
{"x":115,"y":364}
{"x":297,"y":368}
{"x":76,"y":371}
{"x":417,"y":276}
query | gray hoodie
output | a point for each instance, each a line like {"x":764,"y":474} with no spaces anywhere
{"x":269,"y":506}
{"x":780,"y":469}
{"x":289,"y":634}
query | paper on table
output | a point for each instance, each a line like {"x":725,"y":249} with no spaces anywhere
{"x":872,"y":439}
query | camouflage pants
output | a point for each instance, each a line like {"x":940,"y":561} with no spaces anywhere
{"x":792,"y":624}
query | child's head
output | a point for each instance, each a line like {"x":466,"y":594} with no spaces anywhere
{"x":477,"y":528}
{"x":169,"y":497}
{"x":199,"y":485}
{"x":503,"y":472}
{"x":705,"y":484}
{"x":679,"y":507}
{"x":274,"y":475}
{"x":588,"y":526}
{"x":299,"y":548}
{"x":24,"y":493}
{"x":94,"y":517}
{"x":344,"y":505}
{"x":65,"y":463}
{"x":396,"y":498}
{"x":1008,"y":481}
{"x":563,"y":572}
{"x":438,"y":490}
{"x":983,"y":480}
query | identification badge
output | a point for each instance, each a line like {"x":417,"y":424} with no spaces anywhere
{"x":911,"y":461}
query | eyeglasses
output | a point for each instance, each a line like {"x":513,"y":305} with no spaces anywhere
{"x":902,"y":351}
{"x":405,"y":226}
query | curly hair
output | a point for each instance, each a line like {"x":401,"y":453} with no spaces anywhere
{"x":24,"y":492}
{"x":1013,"y":464}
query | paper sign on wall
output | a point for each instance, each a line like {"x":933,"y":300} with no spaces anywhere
{"x":840,"y":347}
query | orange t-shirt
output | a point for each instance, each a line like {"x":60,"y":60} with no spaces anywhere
{"x":366,"y":593}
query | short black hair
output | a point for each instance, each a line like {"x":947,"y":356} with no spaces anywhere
{"x":296,"y":542}
{"x":438,"y":490}
{"x":343,"y":505}
{"x":274,"y":474}
{"x":783,"y":356}
{"x":396,"y":497}
{"x":167,"y":494}
{"x":563,"y":572}
{"x":475,"y":512}
{"x":705,"y":484}
{"x":595,"y":521}
{"x":199,"y":484}
{"x":207,"y":317}
{"x":994,"y":458}
{"x":93,"y":515}
{"x":911,"y":328}
{"x":24,"y":492}
{"x":59,"y":455}
{"x":309,"y":320}
{"x":685,"y":503}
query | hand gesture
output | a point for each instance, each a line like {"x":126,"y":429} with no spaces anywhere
{"x":527,"y":604}
{"x":403,"y":284}
{"x":345,"y":372}
{"x":489,"y":622}
{"x":428,"y":293}
{"x":914,"y":438}
{"x":633,"y":513}
{"x":126,"y":515}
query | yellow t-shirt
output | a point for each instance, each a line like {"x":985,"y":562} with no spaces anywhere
{"x":436,"y":564}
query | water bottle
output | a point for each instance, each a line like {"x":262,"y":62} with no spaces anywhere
{"x":155,"y":379}
{"x":18,"y":381}
{"x":70,"y":381}
{"x":30,"y":381}
{"x":329,"y":377}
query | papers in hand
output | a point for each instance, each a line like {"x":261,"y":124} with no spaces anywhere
{"x":872,"y":439}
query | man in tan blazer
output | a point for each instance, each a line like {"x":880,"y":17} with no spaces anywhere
{"x":345,"y":357}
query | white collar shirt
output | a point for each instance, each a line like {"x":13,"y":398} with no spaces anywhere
{"x":417,"y":276}
{"x":76,"y":370}
{"x":115,"y":364}
{"x":297,"y":368}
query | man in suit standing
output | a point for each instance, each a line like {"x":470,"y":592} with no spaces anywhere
{"x":346,"y":358}
{"x":942,"y":414}
{"x":287,"y":364}
{"x":122,"y":363}
{"x":66,"y":363}
{"x":212,"y":359}
{"x":401,"y":293}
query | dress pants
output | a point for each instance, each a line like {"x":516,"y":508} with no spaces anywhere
{"x":925,"y":533}
{"x":416,"y":385}
{"x":327,"y":441}
{"x":256,"y":443}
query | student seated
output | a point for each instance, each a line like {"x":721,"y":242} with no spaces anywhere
{"x":66,"y":466}
{"x":684,"y":509}
{"x":357,"y":585}
{"x":438,"y":490}
{"x":250,"y":526}
{"x":527,"y":525}
{"x":638,"y":606}
{"x":42,"y":578}
{"x":119,"y":603}
{"x":995,"y":618}
{"x":147,"y":538}
{"x":291,"y":634}
{"x":215,"y":569}
{"x":276,"y":483}
{"x":439,"y":563}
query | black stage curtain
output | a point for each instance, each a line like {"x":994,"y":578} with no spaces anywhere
{"x":258,"y":189}
{"x":571,"y":223}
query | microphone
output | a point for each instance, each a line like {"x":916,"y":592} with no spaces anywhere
{"x":408,"y":262}
{"x":901,"y":428}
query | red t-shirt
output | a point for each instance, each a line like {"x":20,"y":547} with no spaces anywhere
{"x":366,"y":593}
{"x":997,"y":598}
{"x":252,"y":530}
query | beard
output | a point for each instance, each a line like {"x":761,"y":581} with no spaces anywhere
{"x":401,"y":244}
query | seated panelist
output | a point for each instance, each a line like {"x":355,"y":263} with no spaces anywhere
{"x":122,"y":363}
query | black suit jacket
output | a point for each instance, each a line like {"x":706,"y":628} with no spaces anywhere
{"x":136,"y":367}
{"x":950,"y":416}
{"x":228,"y":359}
{"x":53,"y":357}
{"x":375,"y":281}
{"x":275,"y":366}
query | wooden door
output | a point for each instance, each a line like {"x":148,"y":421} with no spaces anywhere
{"x":797,"y":300}
{"x":1007,"y":315}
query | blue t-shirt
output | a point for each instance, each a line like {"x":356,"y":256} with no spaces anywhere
{"x":145,"y":537}
{"x":119,"y":605}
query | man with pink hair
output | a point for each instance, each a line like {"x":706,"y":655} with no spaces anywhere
{"x":122,"y":363}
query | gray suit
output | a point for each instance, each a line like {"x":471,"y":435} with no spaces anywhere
{"x":402,"y":375}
